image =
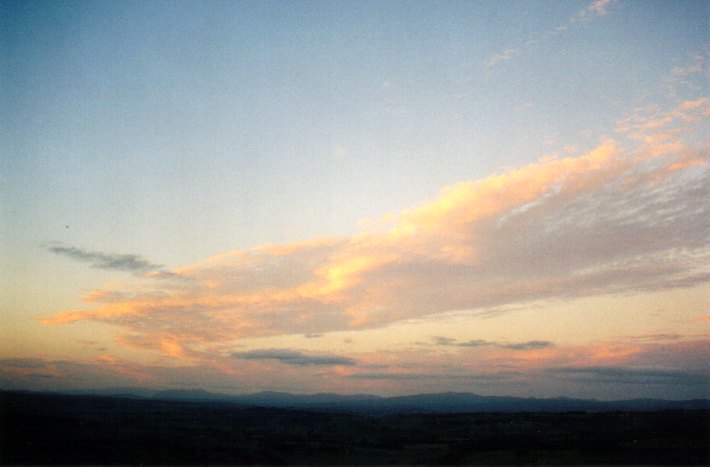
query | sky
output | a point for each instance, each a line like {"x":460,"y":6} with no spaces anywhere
{"x":356,"y":197}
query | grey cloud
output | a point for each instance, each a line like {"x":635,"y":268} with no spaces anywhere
{"x":655,"y":337}
{"x":621,"y":375}
{"x":389,"y":376}
{"x":24,"y":363}
{"x":529,"y":345}
{"x":475,"y":343}
{"x":111,"y":261}
{"x":59,"y":375}
{"x":438,"y":340}
{"x":471,"y":377}
{"x":293,"y":357}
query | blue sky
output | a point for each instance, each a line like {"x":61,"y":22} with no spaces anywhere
{"x":172,"y":132}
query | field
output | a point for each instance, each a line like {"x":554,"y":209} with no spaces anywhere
{"x":61,"y":429}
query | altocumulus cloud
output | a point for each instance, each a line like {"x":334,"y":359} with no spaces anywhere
{"x":99,"y":260}
{"x":293,"y":357}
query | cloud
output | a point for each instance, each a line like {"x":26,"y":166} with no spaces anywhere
{"x":492,"y":378}
{"x":22,"y":363}
{"x":111,"y":261}
{"x":675,"y":370}
{"x":595,"y":9}
{"x":621,"y":375}
{"x":475,"y":343}
{"x":444,"y":340}
{"x":292,"y":357}
{"x":661,"y":129}
{"x":698,"y":66}
{"x":692,"y":76}
{"x":504,"y":56}
{"x":654,"y":337}
{"x":645,"y":369}
{"x":530,"y":345}
{"x":627,"y":216}
{"x":101,"y":372}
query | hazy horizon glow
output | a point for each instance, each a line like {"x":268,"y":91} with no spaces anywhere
{"x":386,"y":198}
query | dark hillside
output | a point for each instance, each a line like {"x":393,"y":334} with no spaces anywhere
{"x":61,"y":429}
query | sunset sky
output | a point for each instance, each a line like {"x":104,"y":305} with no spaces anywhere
{"x":379,"y":197}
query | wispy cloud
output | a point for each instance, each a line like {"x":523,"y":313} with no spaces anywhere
{"x":594,"y":10}
{"x":293,"y":357}
{"x":504,"y":56}
{"x":99,"y":260}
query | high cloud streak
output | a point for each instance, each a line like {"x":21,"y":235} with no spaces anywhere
{"x":630,"y":215}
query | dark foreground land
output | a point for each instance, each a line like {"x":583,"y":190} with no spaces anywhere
{"x":61,"y":429}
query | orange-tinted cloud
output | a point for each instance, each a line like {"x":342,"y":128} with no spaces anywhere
{"x":653,"y":126}
{"x":614,"y":219}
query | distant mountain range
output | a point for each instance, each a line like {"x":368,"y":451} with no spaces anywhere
{"x":446,"y":402}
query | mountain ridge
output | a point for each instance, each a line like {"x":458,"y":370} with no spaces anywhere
{"x":444,"y":402}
